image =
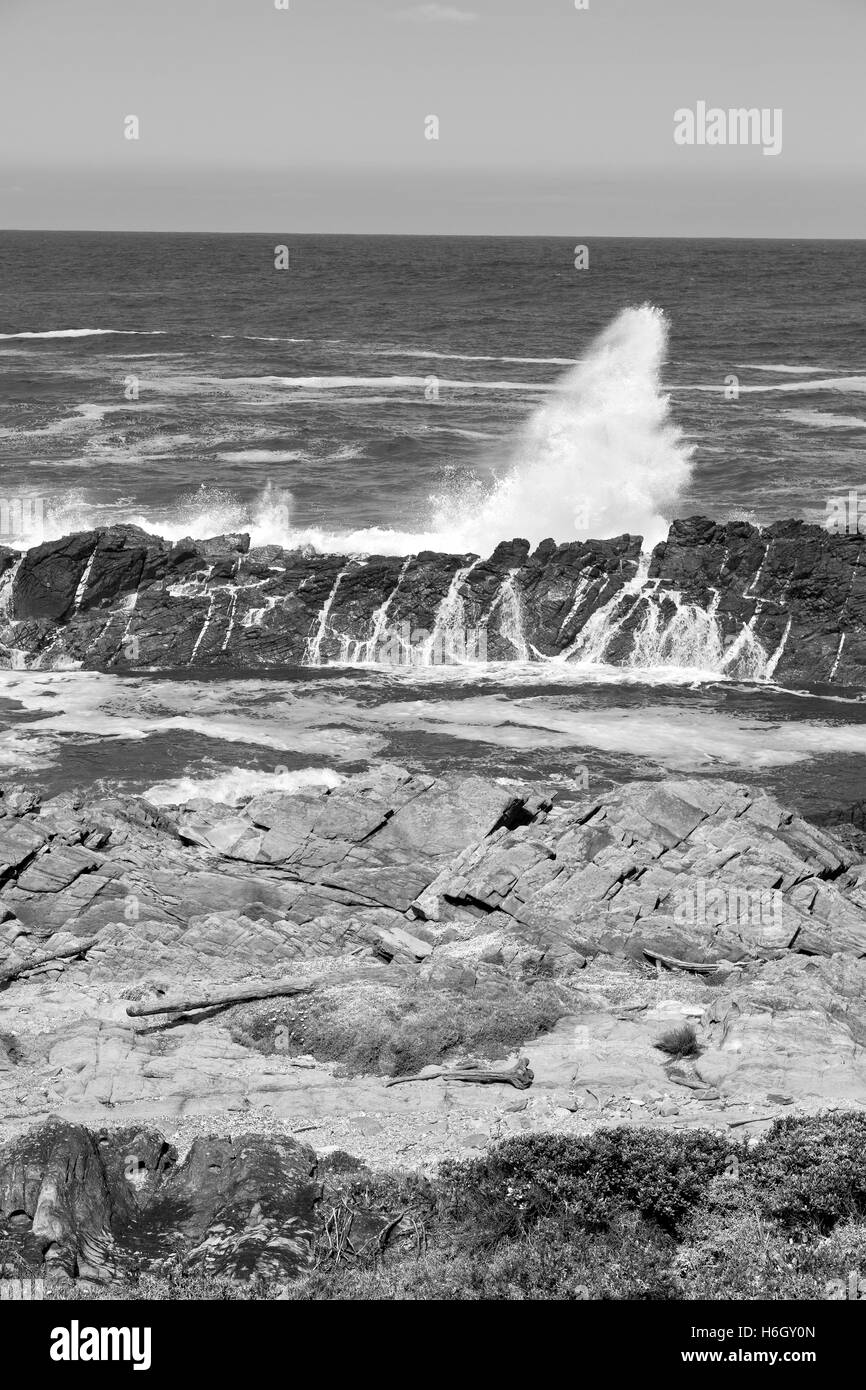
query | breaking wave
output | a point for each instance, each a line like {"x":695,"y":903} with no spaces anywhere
{"x":599,"y":457}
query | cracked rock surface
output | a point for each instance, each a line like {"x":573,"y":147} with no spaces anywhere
{"x":391,"y":892}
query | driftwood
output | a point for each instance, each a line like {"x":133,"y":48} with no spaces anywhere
{"x":707,"y":968}
{"x":210,"y":997}
{"x":45,"y":958}
{"x":756,"y":1120}
{"x":222,"y":994}
{"x":520,"y":1076}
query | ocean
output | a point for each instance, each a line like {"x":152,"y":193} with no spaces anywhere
{"x":390,"y":394}
{"x":384,"y":384}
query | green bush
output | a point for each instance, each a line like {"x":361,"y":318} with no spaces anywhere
{"x":810,"y":1171}
{"x":589,"y":1180}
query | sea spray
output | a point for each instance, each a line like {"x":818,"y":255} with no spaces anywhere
{"x":600,"y":457}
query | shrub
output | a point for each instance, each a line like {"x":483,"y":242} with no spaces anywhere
{"x":810,"y":1171}
{"x":338,"y":1163}
{"x":632,"y":1260}
{"x":590,"y":1180}
{"x":679,"y":1042}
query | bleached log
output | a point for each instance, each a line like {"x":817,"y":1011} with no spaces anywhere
{"x":220,"y":994}
{"x":521,"y":1076}
{"x":696,"y":967}
{"x":45,"y":958}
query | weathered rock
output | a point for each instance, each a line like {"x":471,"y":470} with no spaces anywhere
{"x":697,"y":870}
{"x":668,"y":867}
{"x":19,"y":841}
{"x":96,"y":1204}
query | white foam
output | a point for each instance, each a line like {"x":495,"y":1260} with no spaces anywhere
{"x":23,"y":752}
{"x":239,"y":785}
{"x":217,"y":511}
{"x":339,"y":715}
{"x":462,"y":433}
{"x":476,"y":357}
{"x":87,"y":333}
{"x":344,"y":452}
{"x":825,"y":420}
{"x":599,"y":458}
{"x":846,"y":385}
{"x":678,"y":738}
{"x":262,"y":456}
{"x":338,"y":383}
{"x":263,"y":338}
{"x":783,"y":368}
{"x":95,"y":705}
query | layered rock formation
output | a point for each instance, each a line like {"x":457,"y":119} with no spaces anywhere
{"x":415,"y":867}
{"x":388,"y":887}
{"x":454,"y":883}
{"x":786,"y":602}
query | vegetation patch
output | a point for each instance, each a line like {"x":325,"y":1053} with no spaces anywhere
{"x":627,"y":1213}
{"x":395,"y":1030}
{"x":679,"y":1043}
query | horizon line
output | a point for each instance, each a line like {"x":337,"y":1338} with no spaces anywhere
{"x":502,"y":236}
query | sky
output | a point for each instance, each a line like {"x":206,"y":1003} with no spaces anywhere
{"x":313,"y":118}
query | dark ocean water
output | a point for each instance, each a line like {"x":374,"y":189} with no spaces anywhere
{"x":378,"y":374}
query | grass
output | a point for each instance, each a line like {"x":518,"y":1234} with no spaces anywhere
{"x":679,"y":1043}
{"x":395,"y":1030}
{"x":627,"y":1213}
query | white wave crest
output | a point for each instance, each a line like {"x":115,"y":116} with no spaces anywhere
{"x":846,"y":385}
{"x":782,"y":367}
{"x":476,"y":357}
{"x":825,"y":420}
{"x":88,"y":333}
{"x":262,"y":456}
{"x":381,"y":383}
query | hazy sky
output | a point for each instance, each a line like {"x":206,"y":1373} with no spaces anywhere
{"x":551,"y":119}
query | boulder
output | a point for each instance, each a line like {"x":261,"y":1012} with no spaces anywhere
{"x":97,"y":1204}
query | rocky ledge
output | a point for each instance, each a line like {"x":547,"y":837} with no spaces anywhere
{"x":414,"y":921}
{"x":786,"y":602}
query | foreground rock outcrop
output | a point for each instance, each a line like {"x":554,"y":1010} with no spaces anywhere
{"x":415,"y":869}
{"x":787,"y":602}
{"x":459,"y":911}
{"x":100,"y":1204}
